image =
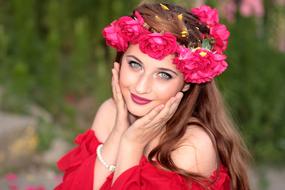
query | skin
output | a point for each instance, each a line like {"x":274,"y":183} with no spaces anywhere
{"x":139,"y":74}
{"x":131,"y":130}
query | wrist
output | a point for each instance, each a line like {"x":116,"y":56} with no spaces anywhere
{"x":109,"y":167}
{"x":133,"y":140}
{"x":117,"y":131}
{"x":120,"y":127}
{"x":127,"y":144}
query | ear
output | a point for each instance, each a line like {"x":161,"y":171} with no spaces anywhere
{"x":185,"y":87}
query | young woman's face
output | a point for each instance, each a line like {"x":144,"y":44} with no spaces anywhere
{"x":147,"y":82}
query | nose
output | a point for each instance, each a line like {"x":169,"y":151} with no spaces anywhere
{"x":143,"y":85}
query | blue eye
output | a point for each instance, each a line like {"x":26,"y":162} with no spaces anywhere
{"x":165,"y":76}
{"x":134,"y":64}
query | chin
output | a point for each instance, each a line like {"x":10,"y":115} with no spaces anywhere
{"x":138,"y":110}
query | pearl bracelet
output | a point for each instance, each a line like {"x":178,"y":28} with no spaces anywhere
{"x":111,"y":168}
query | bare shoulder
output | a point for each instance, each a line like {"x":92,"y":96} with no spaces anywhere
{"x":104,"y":119}
{"x":196,"y":152}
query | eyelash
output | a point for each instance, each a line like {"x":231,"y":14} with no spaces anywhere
{"x":132,"y":63}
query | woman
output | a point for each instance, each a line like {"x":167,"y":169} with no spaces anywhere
{"x":166,"y":126}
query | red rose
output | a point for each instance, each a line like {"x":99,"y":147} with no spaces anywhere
{"x":158,"y":45}
{"x":130,"y":29}
{"x":200,"y":65}
{"x":114,"y":38}
{"x":206,"y":15}
{"x":221,"y":35}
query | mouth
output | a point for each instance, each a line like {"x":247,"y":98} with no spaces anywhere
{"x":139,"y":100}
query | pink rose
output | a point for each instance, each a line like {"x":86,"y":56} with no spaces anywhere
{"x":131,"y":28}
{"x":183,"y":53}
{"x":114,"y":37}
{"x":139,"y":18}
{"x":200,"y":65}
{"x":158,"y":45}
{"x":206,"y":15}
{"x":11,"y":177}
{"x":221,"y":35}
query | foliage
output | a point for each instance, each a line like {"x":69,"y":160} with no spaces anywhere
{"x":254,"y":89}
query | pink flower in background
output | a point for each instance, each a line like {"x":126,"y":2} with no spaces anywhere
{"x":31,"y":188}
{"x":252,"y":7}
{"x":228,"y":9}
{"x":35,"y":188}
{"x":13,"y":183}
{"x":158,"y":45}
{"x":206,"y":15}
{"x":221,"y":35}
{"x":11,"y":177}
{"x":13,"y":187}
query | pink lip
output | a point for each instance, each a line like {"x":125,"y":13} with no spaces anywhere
{"x":139,"y":100}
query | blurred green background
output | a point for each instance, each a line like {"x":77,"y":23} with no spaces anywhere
{"x":53,"y":56}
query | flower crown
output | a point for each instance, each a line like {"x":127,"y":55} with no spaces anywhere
{"x":198,"y":65}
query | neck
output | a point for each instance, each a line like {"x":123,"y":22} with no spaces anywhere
{"x":132,"y":118}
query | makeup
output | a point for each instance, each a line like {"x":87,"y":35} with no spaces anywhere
{"x":139,"y":100}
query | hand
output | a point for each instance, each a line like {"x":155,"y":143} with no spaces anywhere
{"x":143,"y":130}
{"x":121,"y":122}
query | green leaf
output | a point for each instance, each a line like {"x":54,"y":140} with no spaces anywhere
{"x":206,"y":44}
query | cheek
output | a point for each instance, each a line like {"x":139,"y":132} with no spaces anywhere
{"x":165,"y":92}
{"x":126,"y":77}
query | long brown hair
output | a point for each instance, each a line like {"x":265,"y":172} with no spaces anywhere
{"x":201,"y":105}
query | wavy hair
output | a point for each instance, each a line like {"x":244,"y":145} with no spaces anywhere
{"x":201,"y":105}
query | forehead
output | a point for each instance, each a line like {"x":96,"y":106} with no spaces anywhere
{"x":166,"y":62}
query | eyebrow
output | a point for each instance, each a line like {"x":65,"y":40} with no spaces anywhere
{"x":160,"y":68}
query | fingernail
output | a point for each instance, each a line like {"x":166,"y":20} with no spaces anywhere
{"x":180,"y":94}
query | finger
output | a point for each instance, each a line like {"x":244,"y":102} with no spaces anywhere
{"x":117,"y":66}
{"x":119,"y":95}
{"x":113,"y":86}
{"x":176,"y":103}
{"x":149,"y":117}
{"x":117,"y":86}
{"x":164,"y":113}
{"x":156,"y":118}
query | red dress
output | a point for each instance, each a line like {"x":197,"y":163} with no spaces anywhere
{"x":78,"y":168}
